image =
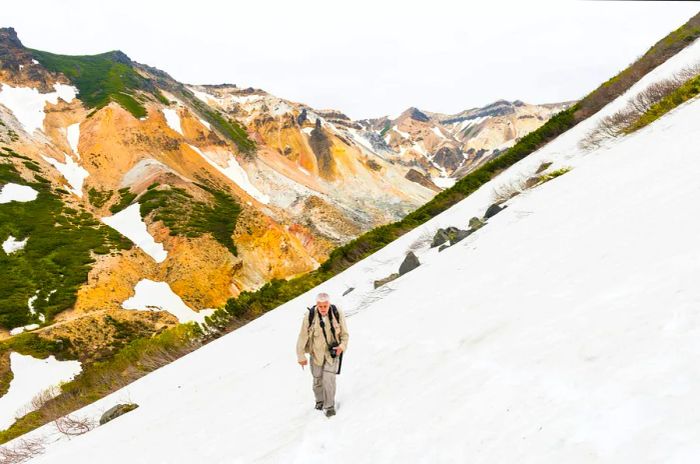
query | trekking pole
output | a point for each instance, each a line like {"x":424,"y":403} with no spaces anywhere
{"x":340,"y":363}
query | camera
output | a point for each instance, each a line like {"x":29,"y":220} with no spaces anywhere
{"x":332,"y":349}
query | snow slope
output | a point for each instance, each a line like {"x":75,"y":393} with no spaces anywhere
{"x":565,"y":330}
{"x":31,"y":377}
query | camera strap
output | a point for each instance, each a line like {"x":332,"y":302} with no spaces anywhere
{"x":335,"y":338}
{"x":323,"y":328}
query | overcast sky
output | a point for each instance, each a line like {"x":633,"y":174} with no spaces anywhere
{"x":365,"y":58}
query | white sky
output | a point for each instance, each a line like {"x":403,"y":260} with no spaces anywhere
{"x":365,"y":58}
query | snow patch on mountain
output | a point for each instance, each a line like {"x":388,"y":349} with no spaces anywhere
{"x":173,"y":119}
{"x":73,"y":136}
{"x":12,"y":245}
{"x":203,"y":96}
{"x":158,"y":296}
{"x":27,"y":104}
{"x":31,"y":377}
{"x":443,"y":182}
{"x":237,"y":174}
{"x":438,"y":132}
{"x":15,"y":192}
{"x":74,"y":173}
{"x":405,"y":135}
{"x":129,"y":223}
{"x":26,"y":328}
{"x":205,"y":124}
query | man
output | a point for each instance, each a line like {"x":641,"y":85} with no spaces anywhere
{"x":325,"y":336}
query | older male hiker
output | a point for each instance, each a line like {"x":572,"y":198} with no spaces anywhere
{"x":325,"y":336}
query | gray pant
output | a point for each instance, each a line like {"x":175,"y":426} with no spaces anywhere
{"x":324,"y":382}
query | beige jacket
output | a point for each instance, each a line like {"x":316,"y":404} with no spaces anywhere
{"x":311,"y":338}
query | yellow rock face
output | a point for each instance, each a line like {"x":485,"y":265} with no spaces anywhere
{"x":267,"y":251}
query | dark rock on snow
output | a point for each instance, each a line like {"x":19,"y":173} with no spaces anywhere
{"x":386,"y":280}
{"x":409,"y":263}
{"x":460,"y":235}
{"x":493,"y":210}
{"x":475,"y":224}
{"x":348,"y":290}
{"x":444,"y":235}
{"x":116,"y":411}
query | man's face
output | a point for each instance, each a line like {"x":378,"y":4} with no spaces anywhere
{"x":323,"y":307}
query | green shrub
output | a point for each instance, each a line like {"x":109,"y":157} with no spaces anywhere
{"x":31,"y":344}
{"x":98,"y":198}
{"x":554,"y":174}
{"x":229,"y":127}
{"x":679,"y":96}
{"x":186,"y":217}
{"x":125,"y":199}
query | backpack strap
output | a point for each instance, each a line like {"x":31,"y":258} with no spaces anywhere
{"x":312,"y":313}
{"x":334,"y":311}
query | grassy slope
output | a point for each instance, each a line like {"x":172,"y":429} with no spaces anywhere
{"x":102,"y":78}
{"x":57,"y":258}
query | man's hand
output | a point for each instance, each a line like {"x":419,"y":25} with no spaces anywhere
{"x":338,"y":350}
{"x":303,"y":362}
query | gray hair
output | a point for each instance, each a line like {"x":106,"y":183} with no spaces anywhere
{"x":322,"y":298}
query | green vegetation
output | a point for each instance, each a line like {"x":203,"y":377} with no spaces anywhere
{"x":187,"y":217}
{"x":657,"y":54}
{"x":32,"y":166}
{"x":102,"y":79}
{"x":125,"y":199}
{"x":679,"y":96}
{"x":10,"y":153}
{"x":99,"y":197}
{"x":56,"y":258}
{"x":554,"y":174}
{"x":98,"y":379}
{"x":272,"y":294}
{"x":385,"y":129}
{"x":229,"y":127}
{"x":6,"y":374}
{"x":31,"y":344}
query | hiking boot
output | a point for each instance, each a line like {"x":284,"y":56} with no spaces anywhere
{"x":330,"y":412}
{"x":319,"y":405}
